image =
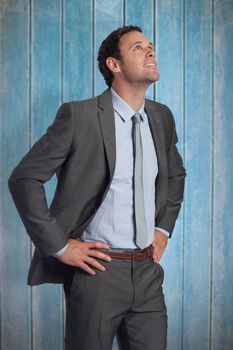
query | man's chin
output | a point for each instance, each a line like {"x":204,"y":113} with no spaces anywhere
{"x":156,"y":76}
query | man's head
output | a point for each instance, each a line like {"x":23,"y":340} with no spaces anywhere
{"x":127,"y":54}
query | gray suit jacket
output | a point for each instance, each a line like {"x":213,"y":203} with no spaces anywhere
{"x":80,"y":148}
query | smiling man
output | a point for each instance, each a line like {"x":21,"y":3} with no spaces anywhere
{"x":119,"y":191}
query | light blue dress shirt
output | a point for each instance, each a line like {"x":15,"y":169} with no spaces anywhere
{"x":113,"y":222}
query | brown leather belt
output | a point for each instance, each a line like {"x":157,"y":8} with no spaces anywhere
{"x":128,"y":254}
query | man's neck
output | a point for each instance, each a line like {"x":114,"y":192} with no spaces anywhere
{"x":133,"y":95}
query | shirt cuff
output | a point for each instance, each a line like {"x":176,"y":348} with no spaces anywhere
{"x":60,"y":252}
{"x":163,"y":231}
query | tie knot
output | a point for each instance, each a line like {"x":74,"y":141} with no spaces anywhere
{"x":136,"y":118}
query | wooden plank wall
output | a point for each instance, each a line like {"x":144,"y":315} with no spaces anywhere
{"x":48,"y":53}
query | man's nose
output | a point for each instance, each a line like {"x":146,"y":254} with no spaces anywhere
{"x":150,"y":52}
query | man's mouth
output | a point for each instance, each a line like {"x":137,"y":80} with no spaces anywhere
{"x":149,"y":65}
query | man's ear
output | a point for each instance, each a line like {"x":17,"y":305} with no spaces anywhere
{"x":112,"y":64}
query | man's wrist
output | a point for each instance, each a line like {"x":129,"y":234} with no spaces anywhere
{"x":163,"y":231}
{"x":60,"y":252}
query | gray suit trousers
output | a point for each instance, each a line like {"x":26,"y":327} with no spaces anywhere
{"x":125,"y":300}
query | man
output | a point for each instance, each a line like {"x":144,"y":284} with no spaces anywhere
{"x":119,"y":192}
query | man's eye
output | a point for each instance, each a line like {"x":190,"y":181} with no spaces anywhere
{"x":137,"y":47}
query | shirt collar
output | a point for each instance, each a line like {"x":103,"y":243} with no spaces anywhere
{"x":123,"y":109}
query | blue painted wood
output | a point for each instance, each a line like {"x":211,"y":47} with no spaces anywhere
{"x":141,"y":13}
{"x":198,"y":152}
{"x":194,"y":50}
{"x":169,"y":90}
{"x":46,"y":97}
{"x":222,"y":277}
{"x":108,"y":15}
{"x":78,"y":50}
{"x":15,"y":249}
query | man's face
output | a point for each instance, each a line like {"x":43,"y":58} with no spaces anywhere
{"x":137,"y":63}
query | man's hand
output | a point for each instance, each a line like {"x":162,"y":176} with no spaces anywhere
{"x":159,"y":244}
{"x":81,"y":254}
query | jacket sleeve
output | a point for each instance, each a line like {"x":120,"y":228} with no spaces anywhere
{"x":168,"y":214}
{"x":26,"y":183}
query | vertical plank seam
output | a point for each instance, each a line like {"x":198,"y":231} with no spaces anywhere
{"x":124,"y":12}
{"x":1,"y":238}
{"x":212,"y":176}
{"x":62,"y":52}
{"x":29,"y":145}
{"x":93,"y":48}
{"x":1,"y":193}
{"x":30,"y":74}
{"x":154,"y":40}
{"x":61,"y":303}
{"x":184,"y":158}
{"x":155,"y":4}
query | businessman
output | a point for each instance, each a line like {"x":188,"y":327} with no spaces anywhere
{"x":119,"y":191}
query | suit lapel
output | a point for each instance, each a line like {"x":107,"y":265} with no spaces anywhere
{"x":158,"y":138}
{"x":107,"y":125}
{"x":156,"y":130}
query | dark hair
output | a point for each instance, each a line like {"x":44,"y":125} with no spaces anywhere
{"x":110,"y":48}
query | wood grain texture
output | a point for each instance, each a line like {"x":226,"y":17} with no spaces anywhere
{"x":78,"y":49}
{"x":170,"y":90}
{"x":46,"y":68}
{"x":15,"y":248}
{"x":48,"y":53}
{"x":198,"y":151}
{"x":222,"y":256}
{"x":108,"y":16}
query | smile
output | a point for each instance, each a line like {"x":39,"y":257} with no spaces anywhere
{"x":149,"y":65}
